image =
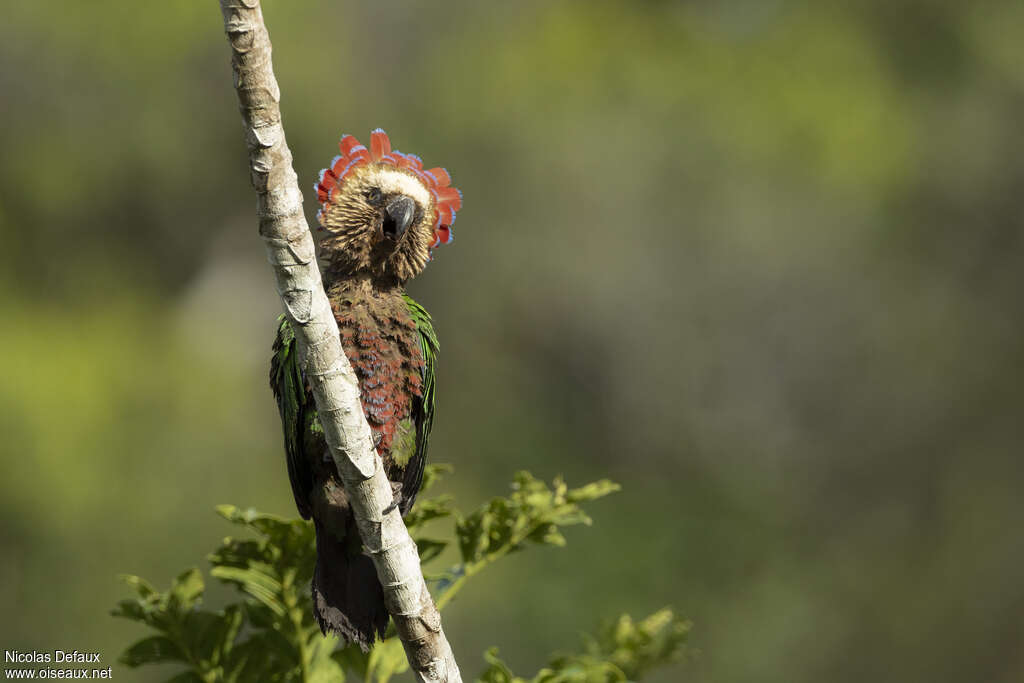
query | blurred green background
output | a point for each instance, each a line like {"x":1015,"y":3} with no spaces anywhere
{"x":760,"y":261}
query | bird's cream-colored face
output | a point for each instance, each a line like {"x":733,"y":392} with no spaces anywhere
{"x":382,"y":223}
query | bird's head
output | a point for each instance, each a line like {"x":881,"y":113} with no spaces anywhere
{"x":382,"y":212}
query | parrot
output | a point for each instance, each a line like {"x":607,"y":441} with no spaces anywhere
{"x":381,"y":217}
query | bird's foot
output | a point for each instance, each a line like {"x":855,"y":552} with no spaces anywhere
{"x":396,"y":493}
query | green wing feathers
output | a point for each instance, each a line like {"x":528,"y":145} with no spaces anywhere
{"x":297,"y":411}
{"x":423,"y":408}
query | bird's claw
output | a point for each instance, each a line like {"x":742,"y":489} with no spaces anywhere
{"x":396,"y":493}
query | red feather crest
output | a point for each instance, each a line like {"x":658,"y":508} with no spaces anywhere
{"x":447,"y":199}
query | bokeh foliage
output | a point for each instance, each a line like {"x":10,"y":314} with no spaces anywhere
{"x":759,"y":261}
{"x":270,"y":635}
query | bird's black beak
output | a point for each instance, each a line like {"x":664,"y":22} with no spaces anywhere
{"x":398,"y":215}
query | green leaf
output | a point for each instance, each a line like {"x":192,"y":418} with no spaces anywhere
{"x":208,"y":636}
{"x":141,"y":586}
{"x":250,"y":660}
{"x":258,"y":581}
{"x":151,"y":651}
{"x":533,"y":512}
{"x":433,"y":474}
{"x":636,"y":648}
{"x":186,"y":590}
{"x":592,"y":491}
{"x":321,"y":667}
{"x":387,"y":659}
{"x":430,"y":548}
{"x":353,"y":660}
{"x":549,"y":535}
{"x":428,"y":509}
{"x":185,"y":677}
{"x":580,"y":669}
{"x":497,"y":671}
{"x":622,"y":651}
{"x":131,"y":609}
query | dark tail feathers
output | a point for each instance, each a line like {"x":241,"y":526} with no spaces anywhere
{"x":347,"y":596}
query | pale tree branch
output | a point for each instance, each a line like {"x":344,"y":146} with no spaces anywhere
{"x":290,"y":250}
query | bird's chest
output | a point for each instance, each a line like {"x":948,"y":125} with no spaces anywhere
{"x":382,"y":344}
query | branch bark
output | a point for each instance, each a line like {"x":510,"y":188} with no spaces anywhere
{"x":290,"y":250}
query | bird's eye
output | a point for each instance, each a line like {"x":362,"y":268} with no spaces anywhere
{"x":373,"y":195}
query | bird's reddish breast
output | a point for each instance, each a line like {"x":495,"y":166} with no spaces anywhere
{"x":383,"y":346}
